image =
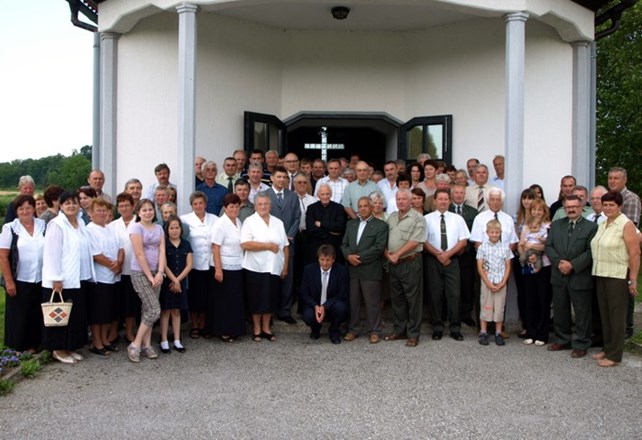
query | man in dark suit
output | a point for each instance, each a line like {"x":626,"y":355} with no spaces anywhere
{"x":325,"y":223}
{"x":324,"y":294}
{"x":285,"y":207}
{"x":363,"y":244}
{"x":569,"y":248}
{"x":468,"y":276}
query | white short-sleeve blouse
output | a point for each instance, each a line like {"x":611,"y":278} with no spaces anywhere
{"x":255,"y":229}
{"x":227,"y":235}
{"x":200,"y":238}
{"x":30,"y":249}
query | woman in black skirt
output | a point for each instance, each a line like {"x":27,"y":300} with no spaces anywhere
{"x":67,"y":267}
{"x":228,"y":308}
{"x":265,"y":262}
{"x":21,"y":246}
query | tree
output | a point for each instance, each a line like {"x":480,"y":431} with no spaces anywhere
{"x":619,"y":100}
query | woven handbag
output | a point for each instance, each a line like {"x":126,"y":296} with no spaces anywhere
{"x":56,"y":314}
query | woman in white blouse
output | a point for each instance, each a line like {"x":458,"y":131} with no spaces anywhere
{"x":107,"y":252}
{"x":201,"y":277}
{"x":26,"y":234}
{"x":67,"y":267}
{"x":227,"y":308}
{"x":265,"y":262}
{"x":128,"y":300}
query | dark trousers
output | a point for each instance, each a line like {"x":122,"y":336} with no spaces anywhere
{"x":467,"y":271}
{"x":521,"y":290}
{"x":335,"y":314}
{"x":563,"y":298}
{"x":630,"y":308}
{"x":287,"y":285}
{"x":538,"y":304}
{"x":444,"y":285}
{"x":613,"y":295}
{"x":370,"y":290}
{"x":596,"y":319}
{"x":406,"y":296}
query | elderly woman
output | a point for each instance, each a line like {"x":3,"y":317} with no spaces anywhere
{"x":67,"y":267}
{"x":461,"y":178}
{"x":128,"y":300}
{"x":616,"y":261}
{"x":227,"y":311}
{"x":200,"y":223}
{"x":265,"y":262}
{"x":108,"y":254}
{"x":52,"y":198}
{"x":148,"y":267}
{"x":85,"y":196}
{"x":26,"y":187}
{"x":22,"y":243}
{"x":378,"y":205}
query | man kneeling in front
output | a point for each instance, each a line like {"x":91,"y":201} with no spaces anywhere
{"x":324,"y":294}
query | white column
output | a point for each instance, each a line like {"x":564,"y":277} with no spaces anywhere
{"x":108,"y":73}
{"x":514,"y":117}
{"x":582,"y":112}
{"x":186,"y":103}
{"x":514,"y":129}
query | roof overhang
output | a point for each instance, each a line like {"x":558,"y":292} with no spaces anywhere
{"x":572,"y":21}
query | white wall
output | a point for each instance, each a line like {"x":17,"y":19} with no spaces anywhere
{"x":456,"y":69}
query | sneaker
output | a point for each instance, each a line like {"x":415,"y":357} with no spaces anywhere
{"x":499,"y":340}
{"x":133,"y":353}
{"x":149,"y":352}
{"x":483,"y":339}
{"x":528,"y":341}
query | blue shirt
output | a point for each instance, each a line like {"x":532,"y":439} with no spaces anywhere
{"x":215,"y":195}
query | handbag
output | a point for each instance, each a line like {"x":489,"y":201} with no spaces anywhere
{"x":13,"y":259}
{"x":56,"y":314}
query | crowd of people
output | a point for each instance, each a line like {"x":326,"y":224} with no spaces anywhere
{"x":271,"y":237}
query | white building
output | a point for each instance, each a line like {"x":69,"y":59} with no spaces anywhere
{"x":484,"y":77}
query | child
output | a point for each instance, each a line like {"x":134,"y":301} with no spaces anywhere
{"x":493,"y":265}
{"x":533,"y":238}
{"x":173,"y":295}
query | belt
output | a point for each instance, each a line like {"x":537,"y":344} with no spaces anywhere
{"x":408,"y":258}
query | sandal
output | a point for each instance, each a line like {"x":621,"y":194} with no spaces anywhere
{"x":195,"y":333}
{"x":607,"y":363}
{"x":269,"y":336}
{"x":226,"y":338}
{"x":205,"y":334}
{"x":257,"y":337}
{"x":99,"y":351}
{"x":111,"y":347}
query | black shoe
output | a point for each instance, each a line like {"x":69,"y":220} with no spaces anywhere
{"x":483,"y":339}
{"x":288,"y":319}
{"x":436,"y":336}
{"x":628,"y":334}
{"x":315,"y":335}
{"x":179,"y":349}
{"x":457,"y":336}
{"x":99,"y":351}
{"x":335,"y":339}
{"x":164,"y":350}
{"x":499,"y":340}
{"x":111,"y":347}
{"x":469,"y":322}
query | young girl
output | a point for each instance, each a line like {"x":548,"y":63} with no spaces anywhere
{"x":148,"y":266}
{"x":174,"y":291}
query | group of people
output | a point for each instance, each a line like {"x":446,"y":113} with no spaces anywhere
{"x":270,"y":231}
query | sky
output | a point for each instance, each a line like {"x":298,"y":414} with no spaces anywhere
{"x":46,"y":80}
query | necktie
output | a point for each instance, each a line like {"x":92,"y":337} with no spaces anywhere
{"x":595,"y":217}
{"x":480,"y":199}
{"x":444,"y":237}
{"x":324,"y":287}
{"x":571,"y":228}
{"x":291,"y":182}
{"x":459,"y":209}
{"x":497,"y":218}
{"x":230,"y":187}
{"x":279,"y":196}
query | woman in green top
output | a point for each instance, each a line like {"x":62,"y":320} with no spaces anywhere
{"x":616,"y":261}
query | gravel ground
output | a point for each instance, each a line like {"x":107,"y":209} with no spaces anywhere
{"x":299,"y":388}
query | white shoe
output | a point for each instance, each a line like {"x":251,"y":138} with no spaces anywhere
{"x":528,"y":341}
{"x":76,"y":356}
{"x":63,"y":359}
{"x":540,"y":343}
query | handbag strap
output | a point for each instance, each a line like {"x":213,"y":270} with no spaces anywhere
{"x":53,"y":292}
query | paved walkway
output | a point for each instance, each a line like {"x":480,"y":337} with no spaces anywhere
{"x":297,"y":388}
